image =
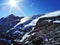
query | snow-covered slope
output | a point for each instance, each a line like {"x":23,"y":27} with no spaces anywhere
{"x":29,"y":22}
{"x":33,"y":22}
{"x":51,"y":14}
{"x":26,"y":24}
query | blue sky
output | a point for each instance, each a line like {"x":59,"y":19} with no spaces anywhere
{"x":30,"y":7}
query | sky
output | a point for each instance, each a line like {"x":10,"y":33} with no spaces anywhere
{"x":28,"y":7}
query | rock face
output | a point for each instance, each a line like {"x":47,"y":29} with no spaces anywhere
{"x":49,"y":27}
{"x":9,"y":22}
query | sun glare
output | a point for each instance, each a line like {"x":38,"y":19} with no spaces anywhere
{"x":12,"y":3}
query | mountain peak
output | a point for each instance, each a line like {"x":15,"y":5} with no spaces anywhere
{"x":11,"y":16}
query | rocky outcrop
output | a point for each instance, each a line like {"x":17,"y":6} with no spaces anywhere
{"x":49,"y":31}
{"x":9,"y":22}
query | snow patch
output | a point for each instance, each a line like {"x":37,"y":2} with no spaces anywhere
{"x":56,"y":21}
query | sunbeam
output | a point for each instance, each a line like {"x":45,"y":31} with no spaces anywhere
{"x":13,"y":4}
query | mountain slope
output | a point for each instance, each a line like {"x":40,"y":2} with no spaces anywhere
{"x":32,"y":30}
{"x":8,"y":22}
{"x":26,"y":22}
{"x":48,"y":28}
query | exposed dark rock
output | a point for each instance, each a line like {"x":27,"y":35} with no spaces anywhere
{"x":9,"y":22}
{"x":49,"y":29}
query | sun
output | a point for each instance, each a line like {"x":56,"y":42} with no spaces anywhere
{"x":12,"y":3}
